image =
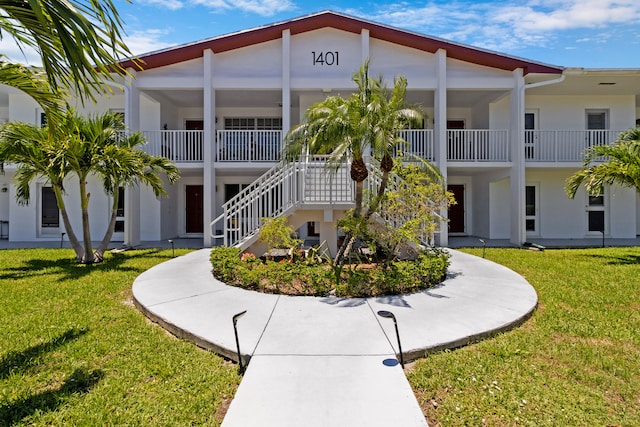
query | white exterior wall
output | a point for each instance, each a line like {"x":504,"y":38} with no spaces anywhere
{"x":569,"y":112}
{"x":499,"y":210}
{"x":564,"y":218}
{"x":150,"y":215}
{"x":23,"y":109}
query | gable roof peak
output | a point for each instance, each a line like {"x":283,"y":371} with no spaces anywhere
{"x":343,"y":22}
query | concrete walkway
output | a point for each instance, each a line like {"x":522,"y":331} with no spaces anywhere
{"x":330,"y":361}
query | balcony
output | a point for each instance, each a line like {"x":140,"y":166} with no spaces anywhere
{"x":478,"y":145}
{"x":248,"y":145}
{"x":564,"y":146}
{"x":463,"y":145}
{"x":179,"y":146}
{"x":420,"y":143}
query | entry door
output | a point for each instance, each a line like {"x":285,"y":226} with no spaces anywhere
{"x":530,"y":124}
{"x":194,"y":209}
{"x":456,"y":149}
{"x":596,"y":213}
{"x":597,"y":120}
{"x":456,"y":212}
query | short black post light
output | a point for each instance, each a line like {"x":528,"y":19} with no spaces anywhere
{"x":235,"y":331}
{"x":62,"y":238}
{"x":484,"y":246}
{"x":389,"y":315}
{"x":173,"y":249}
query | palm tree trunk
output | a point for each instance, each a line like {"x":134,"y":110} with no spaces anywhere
{"x":375,"y":204}
{"x":86,"y":230}
{"x":73,"y":239}
{"x":109,"y":233}
{"x":349,"y":239}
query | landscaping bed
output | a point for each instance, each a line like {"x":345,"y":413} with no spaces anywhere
{"x":315,"y":276}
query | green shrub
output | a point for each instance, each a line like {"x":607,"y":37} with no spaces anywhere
{"x":299,"y":277}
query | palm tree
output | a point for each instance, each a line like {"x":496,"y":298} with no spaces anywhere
{"x":621,"y":165}
{"x":348,"y":128}
{"x":124,"y":164}
{"x":79,"y":42}
{"x":31,"y":148}
{"x":82,"y":147}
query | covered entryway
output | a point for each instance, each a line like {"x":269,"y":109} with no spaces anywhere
{"x":194,"y":209}
{"x":456,"y":212}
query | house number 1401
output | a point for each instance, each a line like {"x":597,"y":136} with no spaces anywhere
{"x":325,"y":58}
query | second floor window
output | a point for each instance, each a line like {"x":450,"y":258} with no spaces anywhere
{"x":248,"y":123}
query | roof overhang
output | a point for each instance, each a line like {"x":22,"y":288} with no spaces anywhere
{"x":329,"y":19}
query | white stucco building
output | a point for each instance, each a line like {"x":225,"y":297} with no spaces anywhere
{"x":506,"y":132}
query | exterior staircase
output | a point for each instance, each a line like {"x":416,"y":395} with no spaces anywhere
{"x":290,"y":186}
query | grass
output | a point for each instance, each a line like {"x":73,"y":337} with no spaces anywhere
{"x":574,"y":363}
{"x":74,"y":350}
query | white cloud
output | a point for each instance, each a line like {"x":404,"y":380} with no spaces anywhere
{"x":146,"y":41}
{"x":506,"y":26}
{"x":260,"y":7}
{"x":12,"y":52}
{"x":568,"y":14}
{"x":165,"y":4}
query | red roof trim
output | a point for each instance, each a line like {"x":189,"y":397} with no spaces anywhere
{"x":344,"y":23}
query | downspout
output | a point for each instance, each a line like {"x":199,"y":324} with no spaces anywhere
{"x":544,"y":83}
{"x":518,"y":193}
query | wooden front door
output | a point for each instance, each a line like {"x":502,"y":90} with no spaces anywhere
{"x":194,"y":208}
{"x":456,"y":212}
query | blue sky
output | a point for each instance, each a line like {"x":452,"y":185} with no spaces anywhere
{"x":571,"y":33}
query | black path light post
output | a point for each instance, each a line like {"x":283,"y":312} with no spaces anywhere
{"x":235,"y":331}
{"x":389,"y":315}
{"x":173,"y":249}
{"x":484,"y":246}
{"x":62,"y":238}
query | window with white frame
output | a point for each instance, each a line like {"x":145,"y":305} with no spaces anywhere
{"x":249,"y":123}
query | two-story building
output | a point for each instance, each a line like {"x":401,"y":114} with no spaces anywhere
{"x":506,"y":132}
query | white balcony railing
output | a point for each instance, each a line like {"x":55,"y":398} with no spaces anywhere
{"x":478,"y":145}
{"x":419,"y":143}
{"x":180,"y":146}
{"x":564,"y":145}
{"x":248,"y":145}
{"x":464,"y":145}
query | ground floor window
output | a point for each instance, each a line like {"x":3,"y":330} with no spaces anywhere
{"x":119,"y":228}
{"x":50,"y":214}
{"x":531,"y":207}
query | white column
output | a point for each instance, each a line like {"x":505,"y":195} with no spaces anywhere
{"x":364,"y":37}
{"x":440,"y":131}
{"x":516,"y":136}
{"x":208,"y":149}
{"x":132,"y":194}
{"x":286,"y":81}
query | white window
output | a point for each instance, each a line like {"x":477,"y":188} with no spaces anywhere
{"x":248,"y":123}
{"x":531,"y":209}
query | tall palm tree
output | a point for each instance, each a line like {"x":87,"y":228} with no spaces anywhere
{"x":79,"y":42}
{"x":620,"y":165}
{"x":347,"y":129}
{"x":82,"y":147}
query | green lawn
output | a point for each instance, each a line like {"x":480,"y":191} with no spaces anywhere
{"x":74,"y":350}
{"x":576,"y":362}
